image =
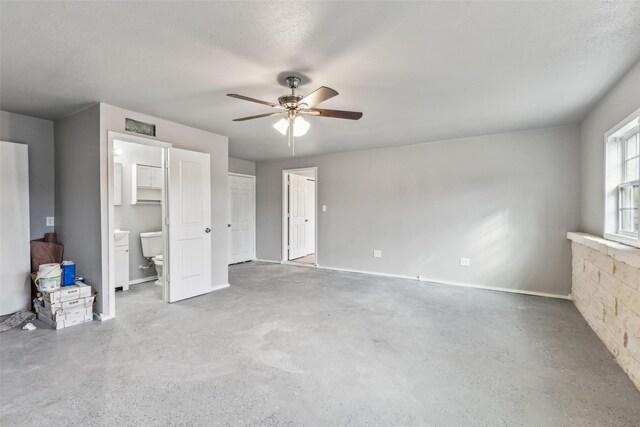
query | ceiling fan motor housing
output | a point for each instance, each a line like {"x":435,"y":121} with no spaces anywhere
{"x":289,"y":101}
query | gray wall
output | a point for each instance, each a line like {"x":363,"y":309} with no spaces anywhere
{"x":506,"y":201}
{"x":141,"y":217}
{"x":77,"y":183}
{"x":245,"y":167}
{"x":188,"y":138}
{"x":622,"y":100}
{"x":38,"y":135}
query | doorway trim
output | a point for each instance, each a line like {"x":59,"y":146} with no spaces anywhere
{"x":255,"y":217}
{"x":285,"y":225}
{"x":108,"y":286}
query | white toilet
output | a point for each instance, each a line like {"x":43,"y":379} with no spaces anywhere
{"x":152,"y":246}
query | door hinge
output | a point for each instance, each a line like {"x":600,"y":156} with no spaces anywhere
{"x":166,"y":220}
{"x":166,"y":164}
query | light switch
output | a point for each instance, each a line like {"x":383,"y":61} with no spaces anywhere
{"x":324,"y":208}
{"x":465,"y":262}
{"x":377,"y":253}
{"x":50,"y":221}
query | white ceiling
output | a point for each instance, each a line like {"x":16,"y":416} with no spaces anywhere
{"x":419,"y":71}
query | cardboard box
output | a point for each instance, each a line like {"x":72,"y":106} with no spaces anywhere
{"x":68,"y":305}
{"x":61,"y":314}
{"x":67,"y":293}
{"x":60,"y":324}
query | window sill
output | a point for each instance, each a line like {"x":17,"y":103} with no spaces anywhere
{"x":624,"y":253}
{"x":622,"y":239}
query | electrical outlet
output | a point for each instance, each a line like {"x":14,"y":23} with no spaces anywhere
{"x":50,"y":221}
{"x":465,"y":262}
{"x":324,"y":208}
{"x":377,"y":253}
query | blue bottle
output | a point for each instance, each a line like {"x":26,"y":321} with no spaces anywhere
{"x":68,"y":273}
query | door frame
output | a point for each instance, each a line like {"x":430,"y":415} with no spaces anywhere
{"x":253,"y":179}
{"x":285,"y":224}
{"x":108,"y":286}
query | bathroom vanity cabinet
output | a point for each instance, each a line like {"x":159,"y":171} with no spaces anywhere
{"x":121,"y":257}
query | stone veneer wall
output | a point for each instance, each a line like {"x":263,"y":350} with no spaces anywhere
{"x":606,"y":290}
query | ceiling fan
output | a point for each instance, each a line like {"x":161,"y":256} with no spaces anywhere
{"x":294,"y":107}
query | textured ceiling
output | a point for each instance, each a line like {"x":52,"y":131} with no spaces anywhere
{"x":419,"y":71}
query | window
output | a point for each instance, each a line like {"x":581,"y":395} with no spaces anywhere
{"x":628,"y":189}
{"x":623,"y":182}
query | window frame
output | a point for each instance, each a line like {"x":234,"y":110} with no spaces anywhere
{"x":616,"y":162}
{"x":633,"y":183}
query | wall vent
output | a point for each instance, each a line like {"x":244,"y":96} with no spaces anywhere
{"x":142,"y":128}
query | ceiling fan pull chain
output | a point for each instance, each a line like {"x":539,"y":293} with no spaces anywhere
{"x":290,"y":129}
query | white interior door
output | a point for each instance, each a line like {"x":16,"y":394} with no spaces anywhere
{"x":311,"y":216}
{"x":297,"y":216}
{"x":15,"y":265}
{"x":241,"y":218}
{"x":190,"y":224}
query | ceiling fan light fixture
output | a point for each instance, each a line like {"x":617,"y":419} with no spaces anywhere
{"x":300,"y":126}
{"x":281,"y":126}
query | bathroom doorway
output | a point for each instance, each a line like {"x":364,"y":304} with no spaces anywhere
{"x":181,"y":189}
{"x":138,"y":206}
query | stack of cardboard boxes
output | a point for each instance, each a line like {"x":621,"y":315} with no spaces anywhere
{"x":66,"y":306}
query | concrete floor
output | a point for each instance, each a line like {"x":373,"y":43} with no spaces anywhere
{"x":289,"y":346}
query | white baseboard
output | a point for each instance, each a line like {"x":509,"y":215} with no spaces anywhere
{"x":373,"y":273}
{"x":494,"y":288}
{"x":268,"y":260}
{"x":218,"y":287}
{"x":449,"y":283}
{"x":143,"y":280}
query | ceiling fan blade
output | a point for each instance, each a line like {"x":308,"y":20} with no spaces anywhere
{"x":317,"y":96}
{"x":259,"y":116}
{"x":246,"y":98}
{"x":338,"y":114}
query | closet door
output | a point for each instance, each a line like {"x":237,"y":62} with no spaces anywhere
{"x":242,"y":218}
{"x":15,"y":264}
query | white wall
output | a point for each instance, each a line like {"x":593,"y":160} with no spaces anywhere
{"x":244,"y":167}
{"x":113,"y":119}
{"x":622,"y":100}
{"x":141,"y":217}
{"x":506,"y":201}
{"x":38,"y":135}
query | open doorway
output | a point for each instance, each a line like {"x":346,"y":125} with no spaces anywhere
{"x":299,"y":218}
{"x":139,"y":206}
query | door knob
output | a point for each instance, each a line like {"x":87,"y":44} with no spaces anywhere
{"x":306,"y":220}
{"x":207,"y":230}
